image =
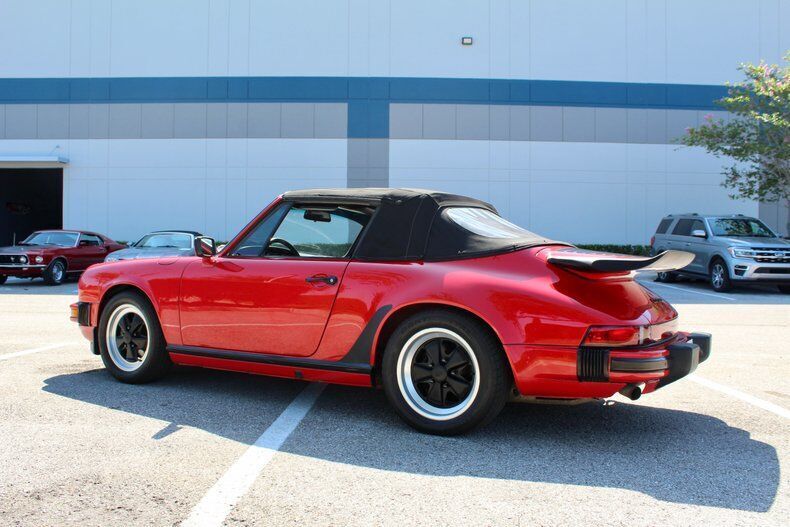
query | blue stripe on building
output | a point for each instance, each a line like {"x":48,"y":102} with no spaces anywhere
{"x":368,"y":98}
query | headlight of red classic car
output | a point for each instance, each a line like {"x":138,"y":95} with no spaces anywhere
{"x":432,"y":296}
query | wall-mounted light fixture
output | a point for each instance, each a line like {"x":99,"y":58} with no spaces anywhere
{"x":466,"y":41}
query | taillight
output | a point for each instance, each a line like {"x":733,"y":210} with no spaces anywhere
{"x":623,"y":336}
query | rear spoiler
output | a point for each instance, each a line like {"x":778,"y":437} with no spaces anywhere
{"x":597,"y":262}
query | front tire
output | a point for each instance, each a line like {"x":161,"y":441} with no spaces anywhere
{"x":130,"y":339}
{"x":55,"y":273}
{"x":445,"y":373}
{"x":719,"y":276}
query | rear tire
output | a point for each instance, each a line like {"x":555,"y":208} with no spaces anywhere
{"x":445,"y":373}
{"x":666,"y":277}
{"x":130,"y":339}
{"x":55,"y":273}
{"x":719,"y":277}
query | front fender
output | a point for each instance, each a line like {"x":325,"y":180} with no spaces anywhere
{"x":158,"y":281}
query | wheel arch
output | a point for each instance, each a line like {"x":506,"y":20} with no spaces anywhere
{"x":62,"y":259}
{"x":115,"y":290}
{"x":396,"y":316}
{"x":717,"y":256}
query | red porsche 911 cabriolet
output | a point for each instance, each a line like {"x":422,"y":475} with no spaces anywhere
{"x":433,"y":296}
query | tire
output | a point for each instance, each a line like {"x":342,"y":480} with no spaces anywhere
{"x":467,"y":395}
{"x":719,"y":277}
{"x":121,"y":337}
{"x":55,"y":273}
{"x":782,"y":289}
{"x":3,"y":278}
{"x":666,"y":277}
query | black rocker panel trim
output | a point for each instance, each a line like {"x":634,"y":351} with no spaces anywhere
{"x":360,"y":351}
{"x":278,"y":360}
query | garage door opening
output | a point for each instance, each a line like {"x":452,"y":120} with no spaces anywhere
{"x":31,"y":199}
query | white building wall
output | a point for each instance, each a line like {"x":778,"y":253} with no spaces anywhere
{"x":579,"y":191}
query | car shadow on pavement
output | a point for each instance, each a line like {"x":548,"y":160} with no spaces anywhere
{"x":236,"y":406}
{"x":674,"y":456}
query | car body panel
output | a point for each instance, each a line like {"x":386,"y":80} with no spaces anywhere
{"x":526,"y":301}
{"x":263,"y":305}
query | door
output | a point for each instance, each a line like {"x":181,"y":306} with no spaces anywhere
{"x":31,"y":199}
{"x":275,"y":290}
{"x":90,"y":250}
{"x":684,"y":241}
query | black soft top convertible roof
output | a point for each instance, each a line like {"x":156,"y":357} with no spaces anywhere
{"x":409,"y":224}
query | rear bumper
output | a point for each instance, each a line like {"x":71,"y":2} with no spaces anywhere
{"x":653,"y":367}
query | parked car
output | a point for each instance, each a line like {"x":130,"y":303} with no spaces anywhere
{"x":158,"y":244}
{"x":54,"y":254}
{"x":728,"y":250}
{"x":433,"y":296}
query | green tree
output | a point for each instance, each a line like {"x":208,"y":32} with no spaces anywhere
{"x":756,"y":137}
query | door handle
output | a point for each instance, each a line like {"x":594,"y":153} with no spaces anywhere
{"x":329,"y":280}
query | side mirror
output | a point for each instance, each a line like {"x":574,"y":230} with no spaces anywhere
{"x":699,"y":233}
{"x":205,"y":246}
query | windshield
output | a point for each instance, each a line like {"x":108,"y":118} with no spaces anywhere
{"x":165,"y":239}
{"x":61,"y":239}
{"x":740,"y":227}
{"x":485,"y":223}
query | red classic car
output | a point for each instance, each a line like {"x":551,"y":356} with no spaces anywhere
{"x":54,"y":254}
{"x":433,"y":296}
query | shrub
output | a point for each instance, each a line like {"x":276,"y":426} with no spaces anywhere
{"x":637,"y":250}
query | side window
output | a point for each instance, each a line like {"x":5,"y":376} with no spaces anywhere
{"x":255,"y":242}
{"x":697,"y":225}
{"x":683,"y":228}
{"x":664,"y":225}
{"x":91,"y":240}
{"x":317,"y":233}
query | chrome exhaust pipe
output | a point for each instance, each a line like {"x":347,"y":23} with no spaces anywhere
{"x":632,"y":391}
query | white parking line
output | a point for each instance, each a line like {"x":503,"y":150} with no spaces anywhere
{"x":745,"y":397}
{"x":31,"y":351}
{"x":220,"y":499}
{"x":691,"y":291}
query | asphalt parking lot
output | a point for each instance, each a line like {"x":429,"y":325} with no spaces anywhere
{"x":78,"y":448}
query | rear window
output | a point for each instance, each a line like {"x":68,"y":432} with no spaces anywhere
{"x":485,"y":223}
{"x":664,"y":225}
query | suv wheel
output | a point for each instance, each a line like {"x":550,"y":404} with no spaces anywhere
{"x":666,"y":277}
{"x":720,"y":276}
